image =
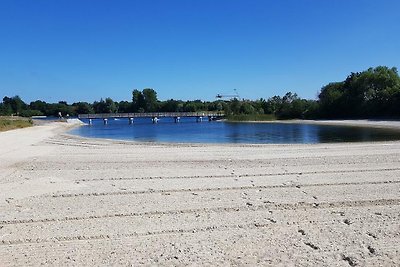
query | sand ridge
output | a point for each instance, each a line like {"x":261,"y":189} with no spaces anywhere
{"x":68,"y":200}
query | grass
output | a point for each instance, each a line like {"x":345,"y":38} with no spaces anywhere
{"x":11,"y":123}
{"x":251,"y":117}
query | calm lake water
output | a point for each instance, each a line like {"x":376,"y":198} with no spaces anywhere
{"x":189,"y":131}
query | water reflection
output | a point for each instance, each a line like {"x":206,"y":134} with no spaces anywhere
{"x":354,"y":134}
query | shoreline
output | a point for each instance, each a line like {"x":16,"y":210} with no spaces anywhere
{"x":188,"y":144}
{"x":70,"y":200}
{"x":386,"y":124}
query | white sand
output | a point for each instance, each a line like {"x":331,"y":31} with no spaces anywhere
{"x":67,"y":200}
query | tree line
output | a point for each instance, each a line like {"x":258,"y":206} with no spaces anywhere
{"x":142,"y":101}
{"x":371,"y":93}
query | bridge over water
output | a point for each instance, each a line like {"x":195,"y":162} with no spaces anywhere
{"x":154,"y":116}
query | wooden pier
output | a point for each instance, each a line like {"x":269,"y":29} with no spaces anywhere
{"x":154,"y":116}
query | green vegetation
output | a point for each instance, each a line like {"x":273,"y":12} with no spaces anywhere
{"x":251,"y":117}
{"x":289,"y":106}
{"x":9,"y":123}
{"x":371,"y":93}
{"x":374,"y":93}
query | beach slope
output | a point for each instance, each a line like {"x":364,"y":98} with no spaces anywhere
{"x":66,"y":200}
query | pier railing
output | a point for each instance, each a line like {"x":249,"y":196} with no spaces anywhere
{"x":151,"y":115}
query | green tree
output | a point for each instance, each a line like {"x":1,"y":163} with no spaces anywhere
{"x":63,"y":107}
{"x":150,"y":100}
{"x":14,"y":103}
{"x":38,"y":105}
{"x":138,"y":102}
{"x":100,"y":106}
{"x":111,"y":106}
{"x":170,"y":106}
{"x":272,"y":105}
{"x":235,"y":106}
{"x":124,"y":107}
{"x":5,"y":110}
{"x":83,"y":108}
{"x":332,"y":100}
{"x":247,"y":108}
{"x":369,"y":93}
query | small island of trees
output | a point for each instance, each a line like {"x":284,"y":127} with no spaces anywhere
{"x":373,"y":93}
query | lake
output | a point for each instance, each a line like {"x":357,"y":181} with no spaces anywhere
{"x":190,"y":131}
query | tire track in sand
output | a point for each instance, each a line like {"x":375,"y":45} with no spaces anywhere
{"x":268,"y":206}
{"x":219,"y":189}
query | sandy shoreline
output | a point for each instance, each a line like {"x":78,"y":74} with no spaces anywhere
{"x":67,"y":200}
{"x":393,"y":124}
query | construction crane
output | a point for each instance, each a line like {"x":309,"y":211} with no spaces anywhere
{"x":236,"y":95}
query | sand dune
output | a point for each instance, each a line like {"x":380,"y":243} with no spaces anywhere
{"x":66,"y":200}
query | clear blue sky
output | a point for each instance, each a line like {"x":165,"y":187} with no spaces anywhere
{"x":81,"y":50}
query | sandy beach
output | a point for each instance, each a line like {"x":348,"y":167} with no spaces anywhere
{"x":67,"y":200}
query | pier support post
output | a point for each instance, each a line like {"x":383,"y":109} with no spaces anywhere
{"x":105,"y":121}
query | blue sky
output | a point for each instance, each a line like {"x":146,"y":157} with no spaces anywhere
{"x":81,"y":50}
